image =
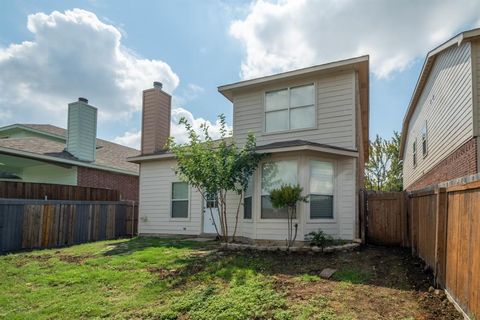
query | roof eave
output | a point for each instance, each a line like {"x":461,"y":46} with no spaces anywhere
{"x":227,"y":90}
{"x":424,"y":73}
{"x":37,"y":156}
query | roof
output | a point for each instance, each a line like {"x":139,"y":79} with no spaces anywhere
{"x":282,"y":146}
{"x":360,"y":64}
{"x":109,"y":156}
{"x":425,"y":72}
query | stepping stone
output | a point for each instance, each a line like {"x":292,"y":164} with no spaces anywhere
{"x":327,"y":273}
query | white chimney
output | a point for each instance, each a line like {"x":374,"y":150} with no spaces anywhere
{"x":82,"y":130}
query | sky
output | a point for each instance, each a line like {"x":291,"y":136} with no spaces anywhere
{"x":52,"y":52}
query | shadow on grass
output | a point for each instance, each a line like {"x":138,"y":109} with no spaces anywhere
{"x":130,"y":246}
{"x":203,"y":261}
{"x":377,"y":266}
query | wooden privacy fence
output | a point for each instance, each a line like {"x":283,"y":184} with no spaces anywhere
{"x":442,"y":226}
{"x":29,"y":190}
{"x":446,"y":235}
{"x":386,"y":218}
{"x":29,"y":224}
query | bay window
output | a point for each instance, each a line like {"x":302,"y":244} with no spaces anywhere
{"x":247,"y":200}
{"x":290,"y":108}
{"x":321,"y":189}
{"x":274,"y":175}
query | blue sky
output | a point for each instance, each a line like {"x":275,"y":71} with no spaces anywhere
{"x":195,"y":46}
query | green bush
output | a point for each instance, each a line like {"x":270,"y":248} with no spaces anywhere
{"x":319,"y":239}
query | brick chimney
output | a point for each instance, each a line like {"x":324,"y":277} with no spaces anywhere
{"x":82,"y":130}
{"x":156,"y":114}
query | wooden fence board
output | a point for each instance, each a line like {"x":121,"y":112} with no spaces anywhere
{"x":386,"y":219}
{"x":443,"y":228}
{"x":30,"y":190}
{"x":28,"y":224}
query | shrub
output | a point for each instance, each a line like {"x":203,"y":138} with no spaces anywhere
{"x":319,"y":238}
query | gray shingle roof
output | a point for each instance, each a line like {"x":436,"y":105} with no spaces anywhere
{"x":108,"y":154}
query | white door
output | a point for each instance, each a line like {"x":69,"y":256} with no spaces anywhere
{"x":211,"y":208}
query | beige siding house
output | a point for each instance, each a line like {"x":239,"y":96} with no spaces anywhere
{"x":312,"y":123}
{"x":440,"y":139}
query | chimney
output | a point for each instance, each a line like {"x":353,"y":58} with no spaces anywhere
{"x":82,"y":130}
{"x":156,"y":114}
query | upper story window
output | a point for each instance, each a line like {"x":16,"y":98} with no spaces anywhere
{"x":414,"y":152}
{"x":290,"y":108}
{"x":424,"y":140}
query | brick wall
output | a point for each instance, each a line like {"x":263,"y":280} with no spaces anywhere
{"x":126,"y":184}
{"x":462,"y":162}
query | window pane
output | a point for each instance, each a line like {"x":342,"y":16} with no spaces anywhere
{"x":247,"y":208}
{"x":321,"y":207}
{"x":249,"y":190}
{"x":180,"y":209}
{"x":276,"y":100}
{"x":301,"y":96}
{"x":274,"y":174}
{"x":276,"y":121}
{"x":269,"y":212}
{"x":179,"y":190}
{"x":321,"y":177}
{"x":303,"y":117}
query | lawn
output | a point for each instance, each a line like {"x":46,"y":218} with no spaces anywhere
{"x":153,"y":278}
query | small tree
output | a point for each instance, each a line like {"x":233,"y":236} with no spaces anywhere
{"x":288,"y":197}
{"x":215,"y":168}
{"x":383,"y":171}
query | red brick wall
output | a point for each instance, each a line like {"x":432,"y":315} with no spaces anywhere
{"x":126,"y":184}
{"x":462,"y":162}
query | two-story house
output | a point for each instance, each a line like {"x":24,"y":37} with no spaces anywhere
{"x":441,"y":129}
{"x":313,"y":124}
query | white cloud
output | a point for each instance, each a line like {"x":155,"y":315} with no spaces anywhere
{"x":74,"y":54}
{"x":290,"y":34}
{"x":133,"y":139}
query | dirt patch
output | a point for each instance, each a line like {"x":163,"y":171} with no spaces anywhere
{"x":76,"y":259}
{"x":372,"y":283}
{"x":164,"y":273}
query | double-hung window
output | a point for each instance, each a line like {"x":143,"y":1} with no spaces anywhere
{"x":290,"y":108}
{"x":424,"y":140}
{"x":274,"y":175}
{"x":247,"y":200}
{"x":179,"y":200}
{"x":414,"y":152}
{"x":321,"y":189}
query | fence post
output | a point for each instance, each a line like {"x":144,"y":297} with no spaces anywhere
{"x":440,"y":237}
{"x":363,"y":224}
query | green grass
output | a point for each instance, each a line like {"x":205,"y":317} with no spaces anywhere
{"x":155,"y":278}
{"x":142,"y":278}
{"x":353,"y":275}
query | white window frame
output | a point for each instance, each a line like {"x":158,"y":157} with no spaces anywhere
{"x":172,"y":200}
{"x":289,"y":108}
{"x":251,"y":199}
{"x":414,"y":153}
{"x":335,"y":195}
{"x":424,"y":133}
{"x":298,"y":213}
{"x":334,"y":192}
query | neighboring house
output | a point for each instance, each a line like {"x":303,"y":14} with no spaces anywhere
{"x":47,"y":154}
{"x":313,"y":123}
{"x":441,"y":130}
